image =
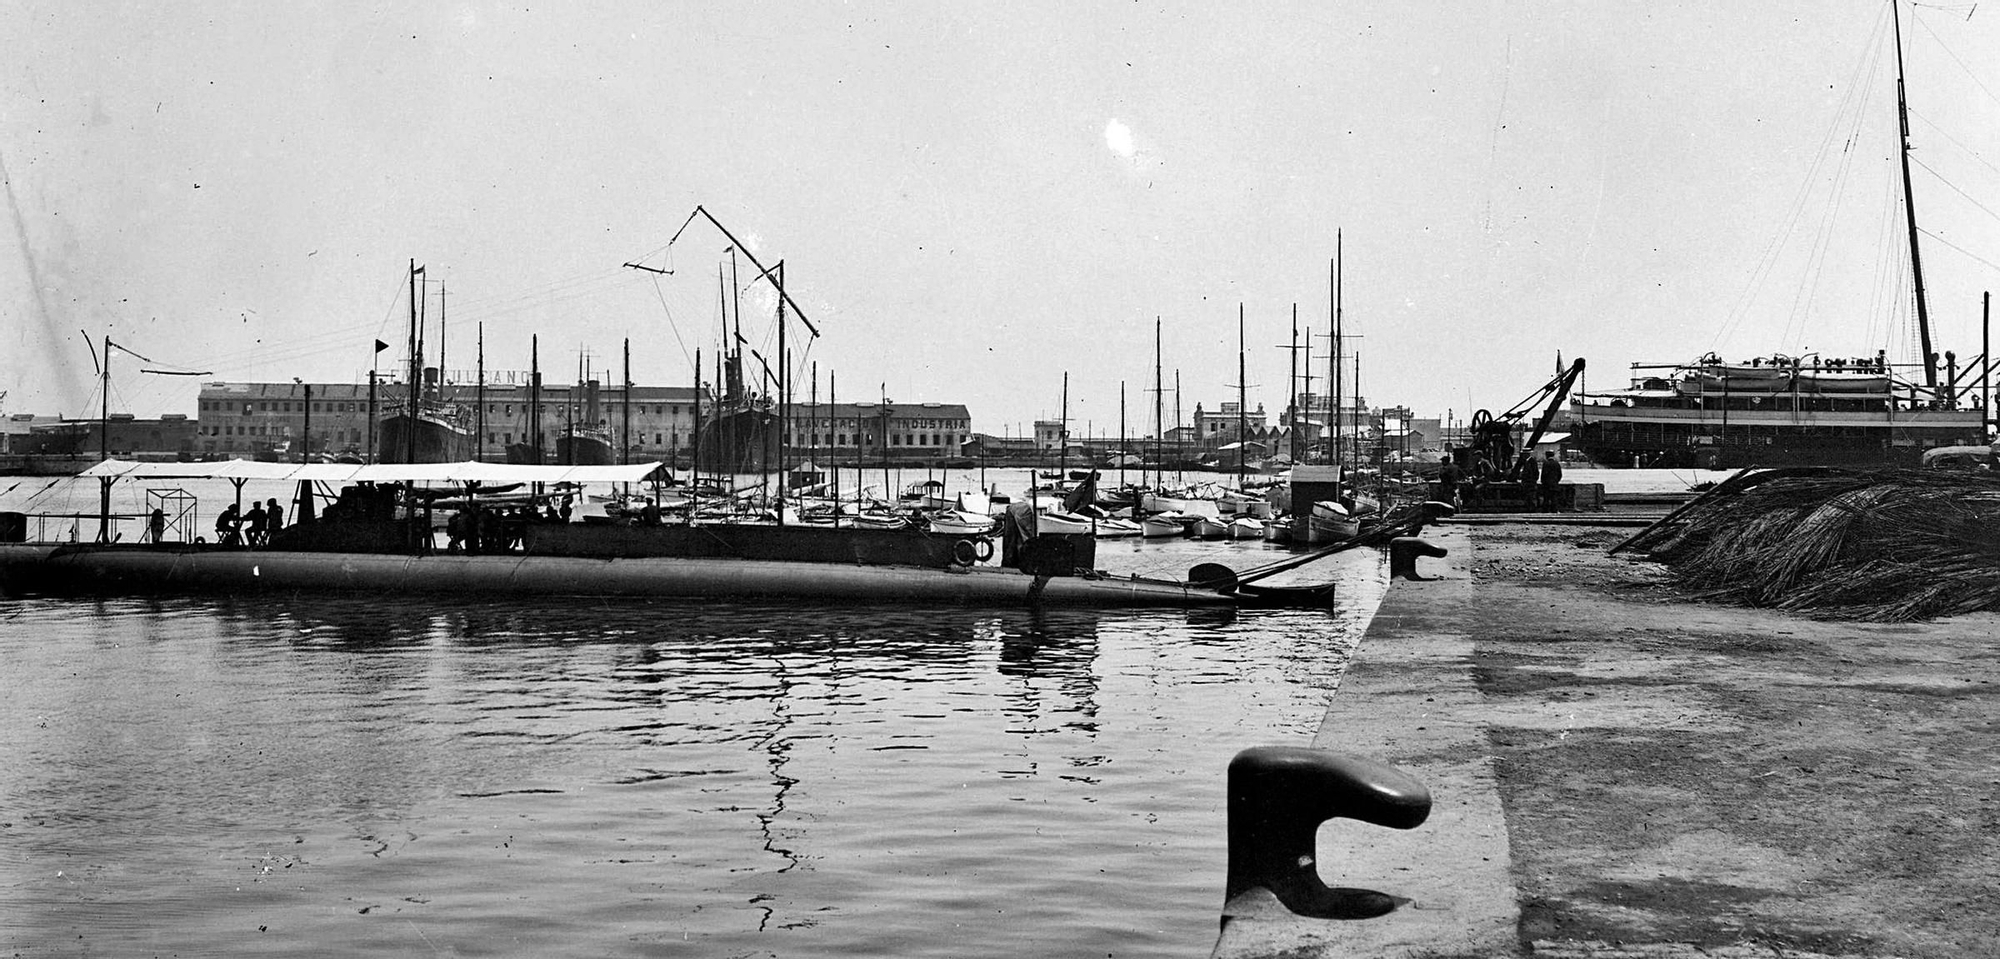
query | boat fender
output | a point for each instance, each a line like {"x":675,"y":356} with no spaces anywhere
{"x":964,"y":553}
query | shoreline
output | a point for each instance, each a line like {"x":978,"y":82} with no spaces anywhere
{"x":1617,"y":771}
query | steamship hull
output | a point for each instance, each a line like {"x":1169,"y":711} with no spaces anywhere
{"x":1694,"y":437}
{"x":739,"y":441}
{"x":585,"y":449}
{"x":436,"y":439}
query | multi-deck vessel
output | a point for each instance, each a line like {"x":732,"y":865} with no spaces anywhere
{"x":423,"y":427}
{"x":1808,"y":410}
{"x":587,"y":441}
{"x":1771,"y":411}
{"x":434,"y":433}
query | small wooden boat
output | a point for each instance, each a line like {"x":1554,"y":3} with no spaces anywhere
{"x":1331,"y":523}
{"x":962,"y":523}
{"x":1114,"y":528}
{"x":1246,"y":528}
{"x":1209,"y":527}
{"x":1164,"y":525}
{"x":1058,"y":521}
{"x":924,"y":494}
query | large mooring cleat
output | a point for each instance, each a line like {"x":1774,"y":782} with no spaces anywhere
{"x":1279,"y":796}
{"x":1428,"y":513}
{"x":1403,"y":554}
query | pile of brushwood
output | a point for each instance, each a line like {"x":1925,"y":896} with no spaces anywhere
{"x":1879,"y":545}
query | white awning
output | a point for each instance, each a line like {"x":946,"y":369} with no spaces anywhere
{"x":467,"y":472}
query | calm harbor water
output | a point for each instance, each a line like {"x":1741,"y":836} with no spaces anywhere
{"x":291,"y":774}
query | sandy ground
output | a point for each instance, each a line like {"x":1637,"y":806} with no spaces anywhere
{"x":1714,"y":775}
{"x":1621,"y":772}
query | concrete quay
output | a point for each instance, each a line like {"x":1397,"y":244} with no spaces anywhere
{"x":1619,"y":772}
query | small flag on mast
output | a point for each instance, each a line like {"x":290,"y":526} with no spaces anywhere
{"x":380,"y":346}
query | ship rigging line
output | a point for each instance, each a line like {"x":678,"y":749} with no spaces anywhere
{"x":1959,"y":249}
{"x":1954,"y":141}
{"x":1948,"y":51}
{"x":671,"y":325}
{"x":1843,"y":130}
{"x":701,"y":211}
{"x":1955,"y":189}
{"x":339,"y":339}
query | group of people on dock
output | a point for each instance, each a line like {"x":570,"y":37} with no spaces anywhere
{"x":1538,"y":482}
{"x":242,"y":528}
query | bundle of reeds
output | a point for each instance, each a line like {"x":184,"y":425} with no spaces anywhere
{"x":1880,"y":545}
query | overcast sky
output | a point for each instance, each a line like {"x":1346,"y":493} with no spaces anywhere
{"x":973,"y":199}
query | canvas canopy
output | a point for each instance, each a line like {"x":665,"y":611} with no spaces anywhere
{"x":467,"y":472}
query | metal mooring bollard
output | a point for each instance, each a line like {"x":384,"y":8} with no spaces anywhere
{"x":1279,"y":795}
{"x":1403,"y":553}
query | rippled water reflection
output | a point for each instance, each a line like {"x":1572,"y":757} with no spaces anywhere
{"x":274,"y":776}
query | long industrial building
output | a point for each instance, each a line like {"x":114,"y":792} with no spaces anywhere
{"x":251,"y":419}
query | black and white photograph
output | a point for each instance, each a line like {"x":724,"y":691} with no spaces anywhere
{"x":1406,"y":480}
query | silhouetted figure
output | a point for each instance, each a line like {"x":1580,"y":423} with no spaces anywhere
{"x":1531,"y":483}
{"x":226,"y":525}
{"x":1449,"y":478}
{"x":253,"y":524}
{"x":457,"y":529}
{"x":1551,"y":484}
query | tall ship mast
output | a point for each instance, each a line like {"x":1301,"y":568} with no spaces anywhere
{"x":740,"y":428}
{"x":1780,"y":410}
{"x":586,"y":438}
{"x":423,"y":426}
